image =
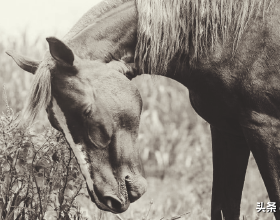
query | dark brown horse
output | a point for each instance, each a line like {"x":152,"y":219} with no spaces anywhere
{"x":98,"y":110}
{"x":226,"y":52}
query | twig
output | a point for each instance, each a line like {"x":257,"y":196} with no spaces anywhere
{"x":151,"y":203}
{"x":77,"y":193}
{"x":33,"y":175}
{"x":119,"y":217}
{"x":177,"y":217}
{"x":34,"y":178}
{"x":180,"y":216}
{"x":61,"y":193}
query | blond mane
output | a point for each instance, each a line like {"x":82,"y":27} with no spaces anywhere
{"x":39,"y":96}
{"x":188,"y":29}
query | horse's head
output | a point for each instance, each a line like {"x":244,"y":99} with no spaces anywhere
{"x":98,"y":110}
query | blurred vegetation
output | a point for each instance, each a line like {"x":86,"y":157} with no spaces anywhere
{"x":174,"y":143}
{"x":39,"y":174}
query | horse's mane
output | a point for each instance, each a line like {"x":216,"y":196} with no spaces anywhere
{"x":40,"y":94}
{"x":188,"y":29}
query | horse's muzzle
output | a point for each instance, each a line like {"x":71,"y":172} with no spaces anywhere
{"x":118,"y":202}
{"x":136,"y":186}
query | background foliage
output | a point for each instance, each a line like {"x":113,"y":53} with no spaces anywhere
{"x":175,"y":146}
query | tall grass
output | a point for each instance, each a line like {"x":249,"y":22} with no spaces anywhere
{"x":175,"y":146}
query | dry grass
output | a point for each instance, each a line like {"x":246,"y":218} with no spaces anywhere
{"x":175,"y":147}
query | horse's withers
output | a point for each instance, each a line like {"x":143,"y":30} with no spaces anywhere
{"x":98,"y":110}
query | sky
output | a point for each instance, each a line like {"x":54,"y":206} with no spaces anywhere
{"x":41,"y":17}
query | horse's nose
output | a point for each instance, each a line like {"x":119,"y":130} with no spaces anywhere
{"x":136,"y":187}
{"x":115,"y":204}
{"x":107,"y":199}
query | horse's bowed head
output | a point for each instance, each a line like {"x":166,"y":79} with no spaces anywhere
{"x":226,"y":52}
{"x":98,"y":110}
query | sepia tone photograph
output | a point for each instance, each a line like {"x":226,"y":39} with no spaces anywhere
{"x":140,"y":109}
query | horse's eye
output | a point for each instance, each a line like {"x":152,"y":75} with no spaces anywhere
{"x":87,"y":112}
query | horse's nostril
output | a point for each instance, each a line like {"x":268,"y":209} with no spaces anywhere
{"x":113,"y":203}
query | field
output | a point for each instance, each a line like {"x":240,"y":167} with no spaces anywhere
{"x":175,"y":146}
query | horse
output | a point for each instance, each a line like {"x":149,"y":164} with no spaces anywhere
{"x":98,"y":110}
{"x":226,"y":52}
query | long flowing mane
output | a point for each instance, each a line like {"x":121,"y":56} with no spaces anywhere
{"x":170,"y":29}
{"x":188,"y":29}
{"x":40,"y":94}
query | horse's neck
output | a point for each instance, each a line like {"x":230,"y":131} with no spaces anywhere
{"x":108,"y":28}
{"x":94,"y":15}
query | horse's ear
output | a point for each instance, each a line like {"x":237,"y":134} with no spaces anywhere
{"x":24,"y":62}
{"x":129,"y":62}
{"x":60,"y":51}
{"x":131,"y":71}
{"x":128,"y":58}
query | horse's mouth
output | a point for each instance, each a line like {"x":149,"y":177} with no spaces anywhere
{"x":97,"y":201}
{"x":101,"y":204}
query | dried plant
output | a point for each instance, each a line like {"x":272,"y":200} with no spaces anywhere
{"x":38,"y":173}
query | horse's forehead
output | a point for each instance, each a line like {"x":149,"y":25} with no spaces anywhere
{"x":114,"y":90}
{"x":119,"y":89}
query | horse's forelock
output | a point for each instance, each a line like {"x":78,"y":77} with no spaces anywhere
{"x":39,"y":96}
{"x":168,"y":29}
